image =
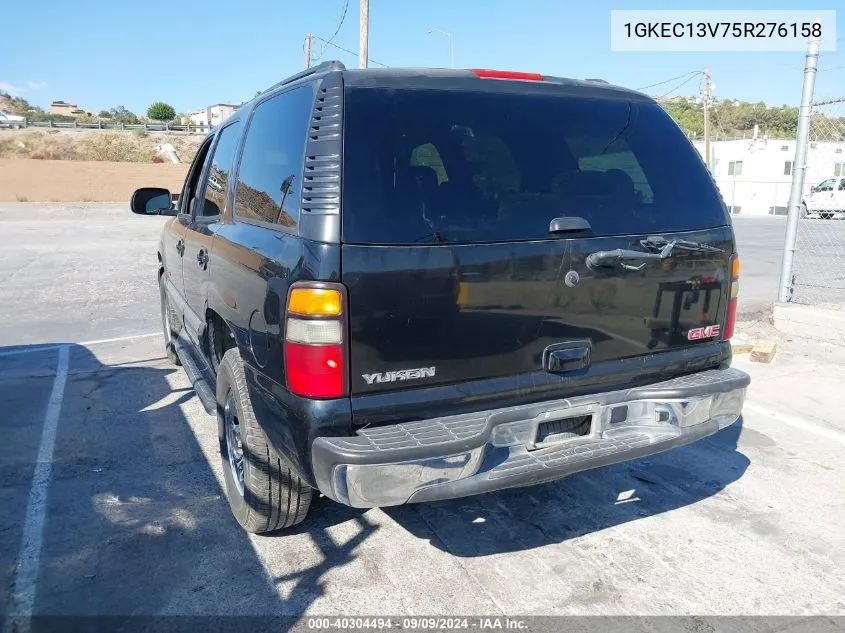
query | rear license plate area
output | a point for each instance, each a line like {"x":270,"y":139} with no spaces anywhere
{"x":563,"y":429}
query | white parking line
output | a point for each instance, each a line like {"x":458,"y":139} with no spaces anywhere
{"x":29,"y":557}
{"x":804,"y":424}
{"x":47,"y":348}
{"x":119,"y":338}
{"x":26,"y":350}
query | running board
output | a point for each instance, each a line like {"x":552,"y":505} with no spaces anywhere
{"x":197,"y":371}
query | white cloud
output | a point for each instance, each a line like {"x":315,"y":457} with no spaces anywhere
{"x":18,"y":90}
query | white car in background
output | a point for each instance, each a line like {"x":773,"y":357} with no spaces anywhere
{"x":11,"y":120}
{"x":826,"y":200}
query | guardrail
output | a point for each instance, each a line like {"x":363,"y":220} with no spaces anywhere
{"x":109,"y":125}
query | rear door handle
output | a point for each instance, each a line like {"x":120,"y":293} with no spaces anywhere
{"x":202,"y":258}
{"x":180,"y":248}
{"x":569,"y":356}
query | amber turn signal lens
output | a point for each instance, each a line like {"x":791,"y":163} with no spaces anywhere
{"x":735,"y":268}
{"x":315,"y":302}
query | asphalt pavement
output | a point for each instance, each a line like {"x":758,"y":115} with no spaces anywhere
{"x":759,"y":242}
{"x":112,"y":483}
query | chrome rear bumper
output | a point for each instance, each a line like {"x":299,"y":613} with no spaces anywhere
{"x":467,"y":454}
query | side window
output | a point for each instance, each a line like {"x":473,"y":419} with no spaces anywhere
{"x":842,"y":185}
{"x":189,"y":190}
{"x":427,"y":156}
{"x":217,"y":184}
{"x":826,"y":185}
{"x":621,"y":160}
{"x":269,"y":187}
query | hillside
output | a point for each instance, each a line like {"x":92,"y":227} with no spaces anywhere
{"x":126,"y":147}
{"x":731,"y":118}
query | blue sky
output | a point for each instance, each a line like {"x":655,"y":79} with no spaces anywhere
{"x":103,"y":53}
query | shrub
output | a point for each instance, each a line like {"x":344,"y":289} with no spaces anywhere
{"x":160,"y":111}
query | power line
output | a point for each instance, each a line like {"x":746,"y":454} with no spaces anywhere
{"x":346,"y":50}
{"x":683,"y":83}
{"x":340,"y":24}
{"x":660,"y":83}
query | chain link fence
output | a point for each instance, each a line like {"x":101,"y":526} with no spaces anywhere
{"x":819,"y":262}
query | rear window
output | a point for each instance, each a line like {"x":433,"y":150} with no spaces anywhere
{"x":451,"y":166}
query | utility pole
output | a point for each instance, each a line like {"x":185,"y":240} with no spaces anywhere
{"x":799,"y":168}
{"x":307,"y":50}
{"x":363,"y":33}
{"x":707,"y":117}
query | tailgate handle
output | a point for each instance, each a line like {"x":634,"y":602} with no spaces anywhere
{"x":568,"y":356}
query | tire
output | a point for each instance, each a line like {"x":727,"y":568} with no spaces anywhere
{"x":170,"y":325}
{"x":264,"y":491}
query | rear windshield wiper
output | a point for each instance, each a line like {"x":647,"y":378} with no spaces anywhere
{"x":658,"y":242}
{"x":664,"y":249}
{"x":619,"y":255}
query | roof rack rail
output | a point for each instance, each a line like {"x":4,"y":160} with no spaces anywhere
{"x":598,"y":81}
{"x":319,"y":68}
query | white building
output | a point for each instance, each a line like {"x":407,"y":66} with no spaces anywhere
{"x":212,"y":115}
{"x":755,"y":175}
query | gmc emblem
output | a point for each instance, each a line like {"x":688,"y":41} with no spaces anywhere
{"x":704,"y":332}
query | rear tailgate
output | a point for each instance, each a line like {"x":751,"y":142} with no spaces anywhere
{"x":453,"y":274}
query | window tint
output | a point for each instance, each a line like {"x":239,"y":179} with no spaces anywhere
{"x":217,"y":185}
{"x":269,"y":187}
{"x":429,"y":166}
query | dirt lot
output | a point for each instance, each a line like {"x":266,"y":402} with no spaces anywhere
{"x":111,"y":484}
{"x":28,"y":180}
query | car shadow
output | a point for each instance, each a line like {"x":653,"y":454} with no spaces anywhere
{"x":526,"y":518}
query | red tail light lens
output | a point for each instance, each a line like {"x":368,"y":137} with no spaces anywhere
{"x":506,"y":74}
{"x":315,"y":371}
{"x":315,"y":349}
{"x":734,"y":290}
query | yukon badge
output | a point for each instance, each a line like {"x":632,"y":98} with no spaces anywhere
{"x":401,"y":374}
{"x":704,"y":332}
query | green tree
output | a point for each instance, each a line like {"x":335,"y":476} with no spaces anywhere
{"x":160,"y":111}
{"x":122,"y":115}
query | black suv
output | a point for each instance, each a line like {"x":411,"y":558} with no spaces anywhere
{"x":396,"y":286}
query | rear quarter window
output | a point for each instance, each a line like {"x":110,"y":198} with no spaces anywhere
{"x":463,"y":166}
{"x":270,"y":171}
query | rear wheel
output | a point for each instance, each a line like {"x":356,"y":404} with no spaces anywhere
{"x":169,"y":324}
{"x":264,"y":491}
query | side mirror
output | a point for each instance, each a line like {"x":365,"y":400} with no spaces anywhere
{"x":813,"y":189}
{"x":152,"y":201}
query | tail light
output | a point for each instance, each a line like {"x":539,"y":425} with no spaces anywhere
{"x":734,"y":290}
{"x":315,"y":349}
